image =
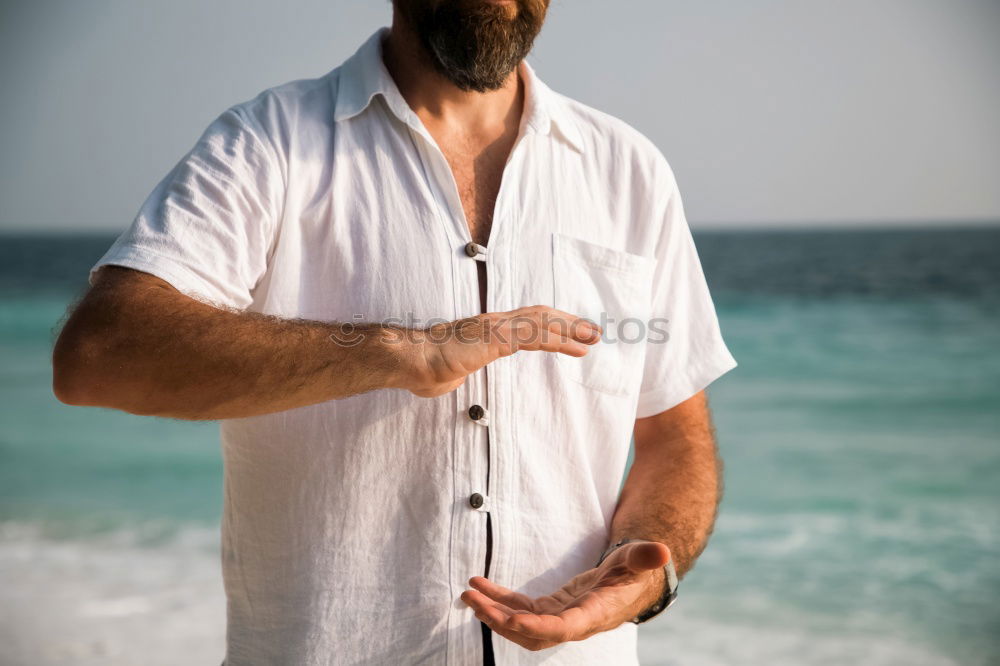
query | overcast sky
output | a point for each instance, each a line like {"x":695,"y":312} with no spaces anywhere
{"x":772,"y":112}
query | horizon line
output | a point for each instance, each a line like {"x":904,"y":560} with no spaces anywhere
{"x":887,"y":224}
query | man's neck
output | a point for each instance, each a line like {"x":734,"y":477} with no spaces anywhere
{"x":439,"y":102}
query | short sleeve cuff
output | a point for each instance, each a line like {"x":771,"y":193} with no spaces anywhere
{"x":169,"y":270}
{"x":673,"y":393}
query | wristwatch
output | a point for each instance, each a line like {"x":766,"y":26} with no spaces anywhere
{"x":669,"y":585}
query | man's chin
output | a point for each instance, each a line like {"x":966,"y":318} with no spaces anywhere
{"x":476,"y":44}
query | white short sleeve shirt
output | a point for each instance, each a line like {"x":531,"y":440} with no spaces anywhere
{"x":349,"y":529}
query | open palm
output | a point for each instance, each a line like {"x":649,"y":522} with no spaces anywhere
{"x":597,"y":600}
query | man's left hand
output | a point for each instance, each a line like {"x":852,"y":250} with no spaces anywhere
{"x":628,"y":582}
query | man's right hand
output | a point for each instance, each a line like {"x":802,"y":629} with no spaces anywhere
{"x":437,"y":360}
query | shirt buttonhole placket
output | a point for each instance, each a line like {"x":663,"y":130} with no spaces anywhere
{"x":475,"y":251}
{"x":487,"y":503}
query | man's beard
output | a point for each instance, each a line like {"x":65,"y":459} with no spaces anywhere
{"x":474,"y":44}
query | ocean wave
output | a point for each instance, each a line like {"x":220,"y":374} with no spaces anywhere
{"x":687,"y":639}
{"x":110,"y":599}
{"x":122,"y":598}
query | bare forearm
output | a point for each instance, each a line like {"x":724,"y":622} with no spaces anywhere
{"x":196,"y":361}
{"x":137,"y":344}
{"x":673,"y":489}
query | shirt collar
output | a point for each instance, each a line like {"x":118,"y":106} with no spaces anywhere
{"x":363,"y":76}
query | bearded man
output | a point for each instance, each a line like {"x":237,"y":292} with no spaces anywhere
{"x":430,"y":301}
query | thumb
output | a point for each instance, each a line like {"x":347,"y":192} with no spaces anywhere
{"x":646,"y":555}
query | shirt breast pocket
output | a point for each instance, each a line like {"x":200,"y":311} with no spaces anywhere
{"x":611,"y":288}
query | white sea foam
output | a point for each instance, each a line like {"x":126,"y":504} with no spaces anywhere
{"x":110,"y":600}
{"x":687,"y":640}
{"x":116,"y":599}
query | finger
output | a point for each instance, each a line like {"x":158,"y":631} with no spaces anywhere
{"x":574,"y":326}
{"x":646,"y":555}
{"x":499,"y":616}
{"x":502,"y":594}
{"x":526,"y":628}
{"x":542,"y":329}
{"x":569,"y":625}
{"x":479,"y":602}
{"x":553,"y":342}
{"x":514,"y":637}
{"x":526,"y":335}
{"x":558,"y":321}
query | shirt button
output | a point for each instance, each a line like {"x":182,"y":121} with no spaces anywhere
{"x":475,"y":500}
{"x":471,"y":249}
{"x":476,"y":412}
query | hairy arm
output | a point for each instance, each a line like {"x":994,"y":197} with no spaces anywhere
{"x":674,"y":487}
{"x":136,"y":344}
{"x":668,"y":504}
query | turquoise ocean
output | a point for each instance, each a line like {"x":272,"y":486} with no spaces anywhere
{"x":860,"y":433}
